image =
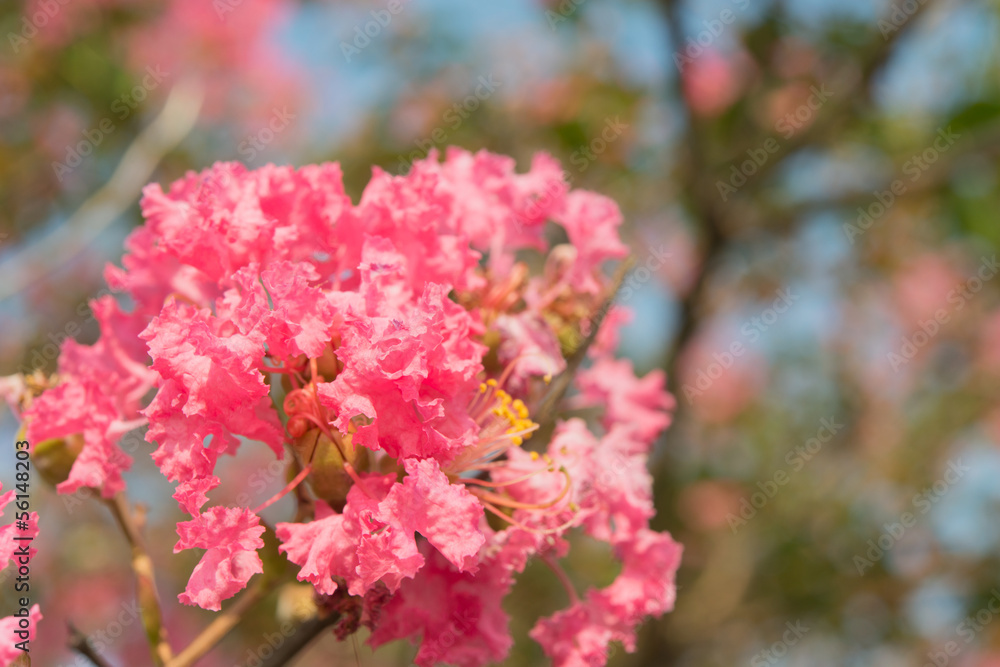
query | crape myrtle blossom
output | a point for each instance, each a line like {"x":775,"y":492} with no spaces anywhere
{"x":396,"y":353}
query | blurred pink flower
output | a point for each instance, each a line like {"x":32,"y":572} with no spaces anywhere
{"x":717,"y":384}
{"x":979,"y":659}
{"x":922,"y":287}
{"x":705,"y":505}
{"x":56,"y":128}
{"x":794,"y":57}
{"x":14,"y":91}
{"x":671,"y":239}
{"x":793,"y":107}
{"x":226,"y":45}
{"x":712,"y":82}
{"x":989,"y":350}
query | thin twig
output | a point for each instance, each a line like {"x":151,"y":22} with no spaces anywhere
{"x":79,"y":643}
{"x":703,"y":201}
{"x":546,"y":412}
{"x":221,"y":626}
{"x":38,"y":259}
{"x":843,"y":105}
{"x":142,"y":565}
{"x":304,"y":635}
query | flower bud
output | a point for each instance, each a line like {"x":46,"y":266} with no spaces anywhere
{"x":328,"y":479}
{"x":54,"y":458}
{"x":327,"y":364}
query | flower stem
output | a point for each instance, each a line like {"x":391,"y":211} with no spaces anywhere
{"x":142,"y":565}
{"x":563,"y":577}
{"x":220,"y":627}
{"x":303,"y":636}
{"x":78,"y":642}
{"x":288,"y":487}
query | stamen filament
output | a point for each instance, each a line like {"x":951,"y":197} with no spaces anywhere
{"x":288,"y":487}
{"x":514,"y":504}
{"x":352,"y":473}
{"x":562,"y":577}
{"x":516,"y":480}
{"x":510,"y":436}
{"x":276,"y":369}
{"x":517,"y":524}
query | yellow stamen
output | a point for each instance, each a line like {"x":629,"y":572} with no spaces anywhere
{"x":514,"y":504}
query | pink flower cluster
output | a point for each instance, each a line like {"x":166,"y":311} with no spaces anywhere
{"x":397,"y":353}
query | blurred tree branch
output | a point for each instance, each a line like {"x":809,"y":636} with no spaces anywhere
{"x":712,"y":215}
{"x":782,"y":217}
{"x":220,"y":626}
{"x":78,"y":642}
{"x":843,"y":106}
{"x":702,"y":199}
{"x":41,"y":257}
{"x":705,"y":205}
{"x":304,"y":635}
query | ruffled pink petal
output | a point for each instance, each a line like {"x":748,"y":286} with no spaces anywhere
{"x":356,"y":546}
{"x":575,"y":637}
{"x":646,"y":586}
{"x":209,"y":386}
{"x":412,"y":212}
{"x":499,"y":210}
{"x":457,"y":617}
{"x":82,"y":407}
{"x":150,"y":273}
{"x":445,"y":513}
{"x":408,"y":369}
{"x":390,"y":555}
{"x":581,"y":634}
{"x":5,"y":498}
{"x":10,"y":547}
{"x":321,"y":548}
{"x":642,"y":405}
{"x":116,"y":362}
{"x":280,"y":302}
{"x":591,"y":221}
{"x":232,"y":537}
{"x":529,"y":343}
{"x":193,"y":494}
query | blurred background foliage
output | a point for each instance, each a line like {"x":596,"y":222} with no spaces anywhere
{"x":820,"y":175}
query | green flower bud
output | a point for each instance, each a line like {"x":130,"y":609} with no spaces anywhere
{"x":328,"y":478}
{"x":54,"y":458}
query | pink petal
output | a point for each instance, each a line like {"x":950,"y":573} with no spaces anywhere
{"x":457,"y":617}
{"x":445,"y":513}
{"x":82,"y":407}
{"x":591,"y":221}
{"x":321,"y":548}
{"x":232,"y":537}
{"x":642,"y":404}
